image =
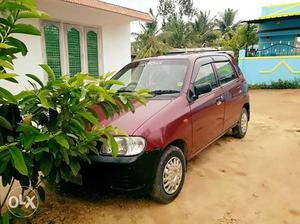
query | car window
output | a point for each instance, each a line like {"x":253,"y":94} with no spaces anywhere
{"x":153,"y":75}
{"x":225,"y":71}
{"x":206,"y":75}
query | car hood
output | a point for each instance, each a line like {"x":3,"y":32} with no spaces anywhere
{"x":129,"y":122}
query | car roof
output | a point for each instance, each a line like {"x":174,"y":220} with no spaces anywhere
{"x":189,"y":56}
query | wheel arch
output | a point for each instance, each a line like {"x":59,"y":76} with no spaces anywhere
{"x":247,"y":107}
{"x":181,"y":144}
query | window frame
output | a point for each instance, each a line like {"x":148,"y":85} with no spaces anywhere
{"x":214,"y":72}
{"x":99,"y":48}
{"x":218,"y":75}
{"x":63,"y":39}
{"x":81,"y":41}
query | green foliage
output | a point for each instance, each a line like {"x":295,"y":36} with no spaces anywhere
{"x":179,"y":33}
{"x":226,"y":23}
{"x":147,"y":43}
{"x":243,"y":37}
{"x":183,"y":26}
{"x":280,"y":84}
{"x":48,"y":132}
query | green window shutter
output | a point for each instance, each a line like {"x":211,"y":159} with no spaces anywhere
{"x":51,"y":33}
{"x":74,"y":51}
{"x":92,"y":53}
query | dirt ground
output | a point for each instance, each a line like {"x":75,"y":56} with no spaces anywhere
{"x":253,"y":180}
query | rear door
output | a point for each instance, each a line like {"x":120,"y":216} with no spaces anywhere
{"x":208,"y":110}
{"x":232,"y":87}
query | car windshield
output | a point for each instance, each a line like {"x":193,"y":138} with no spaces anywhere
{"x":159,"y":76}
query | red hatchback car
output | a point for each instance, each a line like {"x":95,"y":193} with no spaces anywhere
{"x":196,"y":99}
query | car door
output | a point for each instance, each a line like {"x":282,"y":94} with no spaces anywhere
{"x":232,"y":87}
{"x":207,"y":110}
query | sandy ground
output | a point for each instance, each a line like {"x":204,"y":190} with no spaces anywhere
{"x":253,"y":180}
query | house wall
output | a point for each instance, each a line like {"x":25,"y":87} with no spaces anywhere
{"x":116,"y":47}
{"x":278,"y":59}
{"x":259,"y":70}
{"x":28,"y":64}
{"x":113,"y":31}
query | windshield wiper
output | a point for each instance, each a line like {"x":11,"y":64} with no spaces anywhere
{"x":162,"y":92}
{"x":125,"y":91}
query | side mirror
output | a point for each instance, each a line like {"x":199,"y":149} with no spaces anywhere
{"x":202,"y":88}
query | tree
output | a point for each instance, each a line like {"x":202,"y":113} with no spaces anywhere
{"x":226,"y":22}
{"x":186,"y":8}
{"x":147,"y":43}
{"x":166,"y":9}
{"x":169,"y":9}
{"x":203,"y":29}
{"x":47,"y":132}
{"x":243,"y":37}
{"x":178,"y":33}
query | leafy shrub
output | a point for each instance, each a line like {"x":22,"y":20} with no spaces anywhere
{"x":47,"y":133}
{"x":280,"y":84}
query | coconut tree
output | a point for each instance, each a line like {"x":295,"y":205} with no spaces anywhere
{"x":178,"y":33}
{"x":203,"y":29}
{"x":147,"y":43}
{"x":226,"y":23}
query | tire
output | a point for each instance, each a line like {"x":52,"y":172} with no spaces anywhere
{"x":240,"y":130}
{"x":161,"y":191}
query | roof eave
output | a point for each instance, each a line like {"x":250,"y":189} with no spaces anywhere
{"x":270,"y":19}
{"x":108,"y":7}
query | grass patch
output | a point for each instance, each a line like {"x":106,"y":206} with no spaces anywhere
{"x":280,"y":84}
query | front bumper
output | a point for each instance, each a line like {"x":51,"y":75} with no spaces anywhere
{"x":122,"y":173}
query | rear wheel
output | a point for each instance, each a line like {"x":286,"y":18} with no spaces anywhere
{"x":240,"y":130}
{"x":170,"y":175}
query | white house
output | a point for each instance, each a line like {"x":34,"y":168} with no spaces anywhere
{"x":82,"y":35}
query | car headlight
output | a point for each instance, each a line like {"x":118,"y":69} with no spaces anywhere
{"x":128,"y":146}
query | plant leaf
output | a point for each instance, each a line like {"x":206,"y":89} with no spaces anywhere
{"x":33,"y":14}
{"x":89,"y":117}
{"x":35,"y":78}
{"x":6,"y":22}
{"x":42,"y":97}
{"x":45,"y":165}
{"x":49,"y":71}
{"x":114,"y":145}
{"x":75,"y":166}
{"x":26,"y":29}
{"x":5,"y":46}
{"x":114,"y":82}
{"x":6,"y":75}
{"x":60,"y":139}
{"x":18,"y":44}
{"x":6,"y":64}
{"x":18,"y":160}
{"x":5,"y":123}
{"x":5,"y":218}
{"x":7,"y":95}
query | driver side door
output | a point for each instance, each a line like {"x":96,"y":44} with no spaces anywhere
{"x":208,"y":109}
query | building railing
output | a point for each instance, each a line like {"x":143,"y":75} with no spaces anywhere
{"x":277,"y":49}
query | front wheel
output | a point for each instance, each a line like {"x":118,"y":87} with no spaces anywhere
{"x":170,"y":176}
{"x":240,"y":130}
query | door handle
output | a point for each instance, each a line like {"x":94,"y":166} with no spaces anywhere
{"x":220,"y":100}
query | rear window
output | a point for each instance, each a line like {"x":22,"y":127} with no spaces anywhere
{"x":225,"y":71}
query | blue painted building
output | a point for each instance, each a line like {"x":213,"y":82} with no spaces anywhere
{"x":277,"y":55}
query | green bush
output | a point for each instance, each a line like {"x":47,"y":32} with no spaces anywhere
{"x":46,"y":133}
{"x":280,"y":84}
